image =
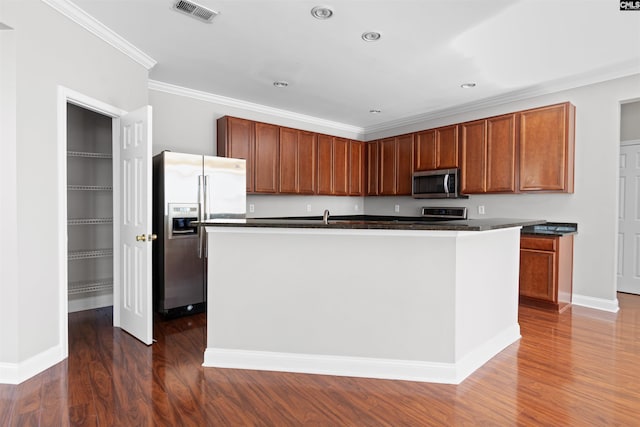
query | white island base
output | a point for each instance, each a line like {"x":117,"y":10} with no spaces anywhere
{"x":398,"y":304}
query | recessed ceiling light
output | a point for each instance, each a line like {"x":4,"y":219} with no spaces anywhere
{"x":467,"y":85}
{"x":280,"y":83}
{"x":375,"y":111}
{"x":370,"y":36}
{"x":321,"y":12}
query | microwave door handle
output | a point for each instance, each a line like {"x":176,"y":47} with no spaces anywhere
{"x":446,"y":184}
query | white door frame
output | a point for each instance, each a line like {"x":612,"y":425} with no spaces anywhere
{"x":66,"y":95}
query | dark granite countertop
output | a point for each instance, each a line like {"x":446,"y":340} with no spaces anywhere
{"x":379,"y":222}
{"x":551,"y":229}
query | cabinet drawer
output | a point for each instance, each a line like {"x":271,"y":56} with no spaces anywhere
{"x":539,"y":243}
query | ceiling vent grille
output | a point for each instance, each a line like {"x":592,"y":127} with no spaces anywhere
{"x":195,"y":10}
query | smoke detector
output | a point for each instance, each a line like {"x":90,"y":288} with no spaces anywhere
{"x":195,"y":10}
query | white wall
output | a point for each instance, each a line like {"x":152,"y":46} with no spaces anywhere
{"x":51,"y":51}
{"x":8,"y":212}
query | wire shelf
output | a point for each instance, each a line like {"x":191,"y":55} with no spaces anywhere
{"x":86,"y":286}
{"x":89,"y":188}
{"x":89,"y":155}
{"x":90,"y":253}
{"x":89,"y":221}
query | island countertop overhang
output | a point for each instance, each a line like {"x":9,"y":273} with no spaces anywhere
{"x":376,"y":224}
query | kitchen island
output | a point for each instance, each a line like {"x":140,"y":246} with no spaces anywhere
{"x":399,"y":300}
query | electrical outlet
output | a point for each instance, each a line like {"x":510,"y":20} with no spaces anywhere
{"x":481,"y":210}
{"x":397,"y":208}
{"x":356,"y":207}
{"x":252,"y":207}
{"x":308,"y":208}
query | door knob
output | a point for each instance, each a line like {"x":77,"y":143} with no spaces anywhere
{"x":141,"y":238}
{"x":152,"y":237}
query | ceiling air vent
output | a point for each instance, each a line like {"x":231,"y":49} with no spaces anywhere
{"x":195,"y":10}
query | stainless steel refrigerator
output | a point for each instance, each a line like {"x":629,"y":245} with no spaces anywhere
{"x":186,"y":188}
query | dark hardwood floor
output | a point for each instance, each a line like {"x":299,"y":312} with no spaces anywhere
{"x":578,"y":368}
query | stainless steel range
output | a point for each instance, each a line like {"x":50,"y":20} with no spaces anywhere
{"x":435,"y":213}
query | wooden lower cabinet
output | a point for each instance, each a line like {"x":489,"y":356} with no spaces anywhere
{"x":546,"y":271}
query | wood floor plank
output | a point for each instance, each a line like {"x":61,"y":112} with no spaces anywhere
{"x":580,"y":367}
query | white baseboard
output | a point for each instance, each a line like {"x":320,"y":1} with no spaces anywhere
{"x":410,"y":370}
{"x":15,"y":373}
{"x":90,"y":302}
{"x":597,"y":303}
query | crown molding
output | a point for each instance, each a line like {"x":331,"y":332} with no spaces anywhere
{"x":620,"y":70}
{"x":258,"y":108}
{"x":88,"y":22}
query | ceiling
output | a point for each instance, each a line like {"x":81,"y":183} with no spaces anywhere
{"x":427,"y":49}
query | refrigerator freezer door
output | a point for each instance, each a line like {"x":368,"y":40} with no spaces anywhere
{"x":225,"y":189}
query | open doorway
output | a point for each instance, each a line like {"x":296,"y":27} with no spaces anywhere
{"x":89,"y":209}
{"x":117,"y":257}
{"x":629,"y":199}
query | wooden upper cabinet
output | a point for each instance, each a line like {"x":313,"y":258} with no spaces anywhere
{"x":266,"y":158}
{"x":307,"y":162}
{"x":236,"y":139}
{"x":288,"y":160}
{"x":425,"y":150}
{"x":436,"y":148}
{"x":356,"y":168}
{"x":340,"y":167}
{"x":501,"y":154}
{"x":373,"y":168}
{"x":447,"y":147}
{"x":547,"y":148}
{"x":396,"y":165}
{"x":325,"y":164}
{"x":404,"y":164}
{"x":473,"y":147}
{"x":488,"y":155}
{"x":297,"y":161}
{"x":388,"y":164}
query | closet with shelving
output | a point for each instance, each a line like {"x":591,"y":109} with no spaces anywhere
{"x":89,"y":209}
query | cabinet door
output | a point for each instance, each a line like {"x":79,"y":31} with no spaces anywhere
{"x":325,"y":164}
{"x":307,"y":165}
{"x":373,"y":168}
{"x":288,"y":148}
{"x":473,"y":147}
{"x":388,"y":167}
{"x":236,"y":139}
{"x":266,"y":158}
{"x":501,"y":154}
{"x":447,"y":147}
{"x":546,"y":148}
{"x":425,"y":150}
{"x":340,"y":167}
{"x":537,"y":274}
{"x":404,"y":164}
{"x":356,"y":168}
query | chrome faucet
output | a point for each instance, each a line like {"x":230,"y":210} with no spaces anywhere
{"x":325,"y":216}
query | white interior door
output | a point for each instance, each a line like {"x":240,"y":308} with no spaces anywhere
{"x":135,"y":296}
{"x":629,"y":220}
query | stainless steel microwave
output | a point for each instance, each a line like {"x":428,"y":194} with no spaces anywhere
{"x":435,"y":184}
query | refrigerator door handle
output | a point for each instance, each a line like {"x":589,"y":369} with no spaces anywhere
{"x":200,"y":212}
